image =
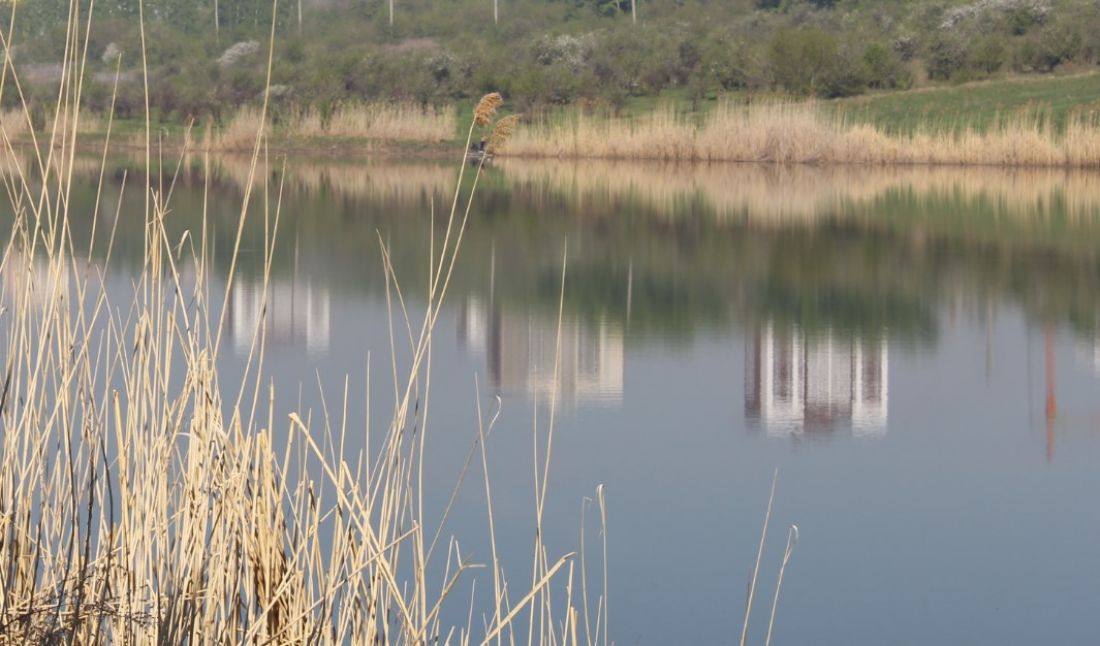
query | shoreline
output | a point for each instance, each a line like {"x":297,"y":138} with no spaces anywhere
{"x":781,"y":134}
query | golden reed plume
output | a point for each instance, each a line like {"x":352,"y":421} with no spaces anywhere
{"x":486,"y":108}
{"x":502,"y":131}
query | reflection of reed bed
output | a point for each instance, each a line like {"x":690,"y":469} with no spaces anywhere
{"x":402,"y":183}
{"x":767,"y":192}
{"x":20,"y":161}
{"x":17,"y":125}
{"x":397,"y":182}
{"x":380,"y":121}
{"x":804,"y":132}
{"x":14,"y":123}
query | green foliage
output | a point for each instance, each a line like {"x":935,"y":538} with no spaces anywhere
{"x":544,"y":53}
{"x":810,"y":62}
{"x":882,"y":68}
{"x":1044,"y":51}
{"x":988,"y":54}
{"x":946,"y":55}
{"x":976,"y":106}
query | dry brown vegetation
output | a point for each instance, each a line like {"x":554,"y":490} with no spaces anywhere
{"x":145,"y":499}
{"x":806,"y":133}
{"x":374,"y":121}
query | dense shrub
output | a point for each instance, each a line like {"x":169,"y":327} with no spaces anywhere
{"x":883,"y":68}
{"x":810,"y":61}
{"x":988,"y":54}
{"x":946,"y":55}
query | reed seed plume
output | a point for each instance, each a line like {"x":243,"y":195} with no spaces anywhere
{"x":486,"y":108}
{"x":502,"y":132}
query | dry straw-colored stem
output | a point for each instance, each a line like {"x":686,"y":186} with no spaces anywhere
{"x":145,"y":498}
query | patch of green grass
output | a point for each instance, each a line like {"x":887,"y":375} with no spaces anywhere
{"x":972,"y":105}
{"x":977,"y":105}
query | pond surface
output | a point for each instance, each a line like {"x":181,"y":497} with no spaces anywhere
{"x":917,"y":351}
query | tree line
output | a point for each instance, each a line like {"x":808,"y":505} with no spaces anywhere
{"x":543,"y":53}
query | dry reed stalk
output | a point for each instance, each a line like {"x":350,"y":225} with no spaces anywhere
{"x":792,"y":540}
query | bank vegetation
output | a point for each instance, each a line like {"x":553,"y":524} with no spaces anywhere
{"x":807,"y":132}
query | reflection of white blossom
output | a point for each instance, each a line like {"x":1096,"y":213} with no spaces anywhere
{"x":796,"y":382}
{"x":110,"y":53}
{"x":294,"y":311}
{"x":32,"y":283}
{"x":521,"y":352}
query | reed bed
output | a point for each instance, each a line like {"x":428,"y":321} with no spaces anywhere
{"x":373,"y":121}
{"x":806,"y":132}
{"x":16,"y":123}
{"x":146,"y":499}
{"x":387,"y":121}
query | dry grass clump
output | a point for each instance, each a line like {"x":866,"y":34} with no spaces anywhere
{"x":387,"y":121}
{"x":238,"y":134}
{"x":16,"y":125}
{"x":147,"y":499}
{"x":381,"y":121}
{"x":805,"y":133}
{"x":13,"y":122}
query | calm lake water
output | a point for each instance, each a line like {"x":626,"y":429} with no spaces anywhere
{"x":916,"y":351}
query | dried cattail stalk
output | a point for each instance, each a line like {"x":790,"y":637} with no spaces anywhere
{"x":502,"y":131}
{"x":486,"y":108}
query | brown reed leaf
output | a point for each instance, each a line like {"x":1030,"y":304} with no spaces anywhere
{"x":502,"y":131}
{"x":486,"y":108}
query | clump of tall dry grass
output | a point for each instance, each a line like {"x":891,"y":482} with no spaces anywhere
{"x":389,"y":121}
{"x":377,"y":121}
{"x":16,"y":123}
{"x":145,"y":498}
{"x":238,"y":134}
{"x":806,"y":133}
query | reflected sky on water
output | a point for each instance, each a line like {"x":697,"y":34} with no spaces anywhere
{"x":916,"y":350}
